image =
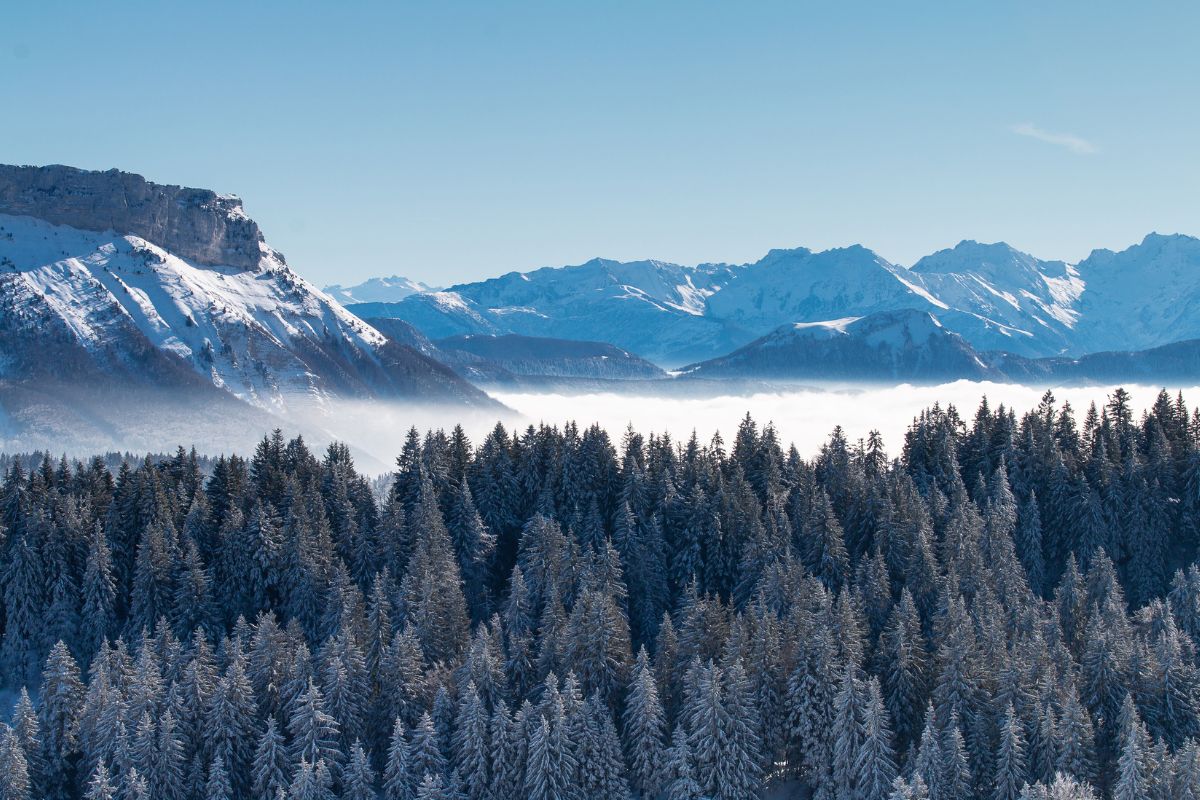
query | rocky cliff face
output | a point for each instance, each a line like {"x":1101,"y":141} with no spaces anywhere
{"x":196,"y":224}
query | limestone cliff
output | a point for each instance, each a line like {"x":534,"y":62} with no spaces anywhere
{"x":196,"y":224}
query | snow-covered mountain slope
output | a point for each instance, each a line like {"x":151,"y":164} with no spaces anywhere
{"x":401,"y":332}
{"x":436,"y":314}
{"x":392,"y":289}
{"x":655,"y":309}
{"x":1144,"y":296}
{"x":265,"y":335}
{"x":120,"y":302}
{"x":1003,"y":299}
{"x":900,"y":345}
{"x":799,"y":285}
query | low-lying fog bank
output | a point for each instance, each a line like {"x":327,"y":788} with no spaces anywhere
{"x":806,"y":416}
{"x":376,"y":430}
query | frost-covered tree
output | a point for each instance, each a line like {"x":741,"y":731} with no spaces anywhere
{"x":62,"y":696}
{"x":100,"y":786}
{"x":875,"y":764}
{"x":218,"y":786}
{"x":471,"y":745}
{"x":314,"y":733}
{"x":645,"y":729}
{"x":1011,"y":768}
{"x":358,"y":782}
{"x":397,"y":775}
{"x":271,"y":762}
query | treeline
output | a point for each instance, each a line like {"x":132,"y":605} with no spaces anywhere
{"x":112,"y":459}
{"x":1007,"y":609}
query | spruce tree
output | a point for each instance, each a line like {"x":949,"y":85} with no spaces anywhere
{"x":314,"y":733}
{"x":397,"y":776}
{"x":218,"y":786}
{"x":425,"y":756}
{"x":271,"y":763}
{"x":24,"y":600}
{"x":847,"y":734}
{"x":1133,"y":778}
{"x":740,"y":746}
{"x":62,"y":696}
{"x":230,"y":724}
{"x":543,"y":780}
{"x":27,"y":729}
{"x":100,"y":786}
{"x":681,"y":785}
{"x":433,"y":787}
{"x":645,"y":729}
{"x":358,"y":782}
{"x":598,"y":755}
{"x":875,"y":764}
{"x":471,"y":746}
{"x":1011,"y":772}
{"x":14,"y":768}
{"x":99,"y":593}
{"x":167,"y":763}
{"x":954,"y":780}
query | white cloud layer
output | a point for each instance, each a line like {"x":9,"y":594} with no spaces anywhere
{"x":806,"y":417}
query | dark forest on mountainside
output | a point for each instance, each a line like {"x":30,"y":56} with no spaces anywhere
{"x":1005,"y":608}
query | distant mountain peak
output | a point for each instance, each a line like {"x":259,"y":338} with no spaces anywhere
{"x":776,"y":253}
{"x":970,"y":255}
{"x":391,"y":289}
{"x":1155,"y":239}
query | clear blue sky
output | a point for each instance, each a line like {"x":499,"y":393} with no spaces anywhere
{"x":452,"y":141}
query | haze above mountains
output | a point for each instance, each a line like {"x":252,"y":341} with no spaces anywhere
{"x":123,"y":301}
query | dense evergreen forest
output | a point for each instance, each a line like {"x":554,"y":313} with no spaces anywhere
{"x":1006,"y":608}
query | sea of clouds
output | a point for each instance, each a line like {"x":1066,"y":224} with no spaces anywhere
{"x":805,"y":417}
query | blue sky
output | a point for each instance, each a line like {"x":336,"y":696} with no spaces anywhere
{"x":453,"y":141}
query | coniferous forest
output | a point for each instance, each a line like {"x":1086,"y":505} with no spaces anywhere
{"x":1005,"y":608}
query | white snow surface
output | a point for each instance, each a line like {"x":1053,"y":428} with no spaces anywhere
{"x":240,"y":328}
{"x":838,"y":325}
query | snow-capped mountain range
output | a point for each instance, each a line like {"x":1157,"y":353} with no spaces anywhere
{"x":111,"y":285}
{"x":995,"y":296}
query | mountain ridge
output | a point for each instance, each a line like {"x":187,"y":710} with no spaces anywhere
{"x":993,"y":294}
{"x":913,"y":346}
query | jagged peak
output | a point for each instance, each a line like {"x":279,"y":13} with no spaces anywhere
{"x":1160,"y":239}
{"x":970,"y":255}
{"x":1152,"y":243}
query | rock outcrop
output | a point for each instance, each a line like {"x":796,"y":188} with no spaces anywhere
{"x":196,"y":224}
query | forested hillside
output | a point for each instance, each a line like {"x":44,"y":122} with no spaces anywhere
{"x":1006,"y":608}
